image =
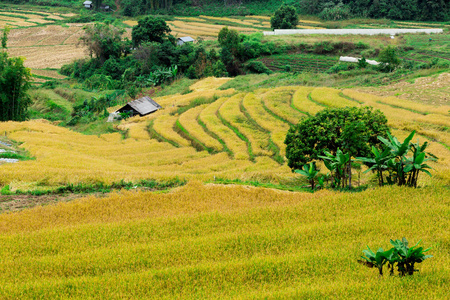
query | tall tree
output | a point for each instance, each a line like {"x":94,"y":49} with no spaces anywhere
{"x":14,"y":82}
{"x":285,"y":18}
{"x":103,"y":40}
{"x":150,"y":29}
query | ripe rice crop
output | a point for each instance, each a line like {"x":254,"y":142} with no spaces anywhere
{"x":278,"y":100}
{"x":300,"y":101}
{"x":406,"y":119}
{"x":231,"y":112}
{"x":273,"y":125}
{"x":209,"y":117}
{"x":165,"y":125}
{"x":223,"y":242}
{"x":239,"y":124}
{"x":330,"y":97}
{"x":189,"y":122}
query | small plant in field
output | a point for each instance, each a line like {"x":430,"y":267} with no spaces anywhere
{"x":310,"y":172}
{"x":401,"y":254}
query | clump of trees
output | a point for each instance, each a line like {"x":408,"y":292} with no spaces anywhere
{"x":14,"y":83}
{"x":285,"y":17}
{"x":334,"y":135}
{"x":152,"y":57}
{"x":340,"y":137}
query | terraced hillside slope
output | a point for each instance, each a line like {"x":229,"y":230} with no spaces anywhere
{"x":236,"y":135}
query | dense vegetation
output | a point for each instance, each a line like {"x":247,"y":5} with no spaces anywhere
{"x":14,"y":83}
{"x":422,"y":10}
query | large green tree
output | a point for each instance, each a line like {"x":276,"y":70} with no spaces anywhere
{"x":285,"y":18}
{"x":150,"y":29}
{"x":14,"y":83}
{"x":103,"y":40}
{"x":352,"y":130}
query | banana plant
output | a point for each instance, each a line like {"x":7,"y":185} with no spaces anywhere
{"x":336,"y":164}
{"x":406,"y":257}
{"x":378,"y":259}
{"x":310,"y":171}
{"x":416,"y":164}
{"x":378,"y":162}
{"x":398,"y":151}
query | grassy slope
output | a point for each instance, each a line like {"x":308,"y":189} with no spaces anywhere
{"x":224,"y":242}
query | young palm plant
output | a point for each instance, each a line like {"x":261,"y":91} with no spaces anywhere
{"x":416,"y":163}
{"x":377,"y":163}
{"x":398,"y":153}
{"x":337,"y":165}
{"x":378,"y":259}
{"x":310,"y":171}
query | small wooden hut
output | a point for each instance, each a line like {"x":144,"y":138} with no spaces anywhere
{"x":142,"y":106}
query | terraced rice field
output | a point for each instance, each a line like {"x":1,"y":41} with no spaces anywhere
{"x":46,"y":47}
{"x":207,"y":27}
{"x":239,"y":135}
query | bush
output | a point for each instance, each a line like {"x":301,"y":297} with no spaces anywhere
{"x":257,"y":67}
{"x":335,"y":13}
{"x":339,"y":67}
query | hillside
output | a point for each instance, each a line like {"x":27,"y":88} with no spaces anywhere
{"x":196,"y":200}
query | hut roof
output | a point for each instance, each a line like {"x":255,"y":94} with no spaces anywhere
{"x":186,"y":39}
{"x":143,"y":106}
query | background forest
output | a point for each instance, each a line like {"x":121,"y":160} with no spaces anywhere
{"x":421,"y":10}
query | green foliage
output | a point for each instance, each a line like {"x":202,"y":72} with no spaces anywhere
{"x":332,"y":12}
{"x":103,"y":41}
{"x":378,"y":163}
{"x":257,"y":67}
{"x":362,"y":63}
{"x":388,"y":59}
{"x":150,"y":29}
{"x":14,"y":83}
{"x":338,"y":165}
{"x":403,"y":170}
{"x":310,"y":172}
{"x":285,"y":17}
{"x":401,"y":254}
{"x":94,"y":109}
{"x":5,"y":36}
{"x":353,"y":130}
{"x":378,"y":259}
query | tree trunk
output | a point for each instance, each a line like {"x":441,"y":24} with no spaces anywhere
{"x":349,"y":173}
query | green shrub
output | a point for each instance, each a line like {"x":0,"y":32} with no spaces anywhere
{"x":336,"y":12}
{"x":257,"y":67}
{"x":401,"y":254}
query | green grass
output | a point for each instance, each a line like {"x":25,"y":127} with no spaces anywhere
{"x":194,"y":103}
{"x":179,"y":86}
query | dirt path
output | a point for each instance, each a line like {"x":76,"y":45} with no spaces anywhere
{"x":12,"y":203}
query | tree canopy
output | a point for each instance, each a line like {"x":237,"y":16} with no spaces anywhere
{"x":285,"y":18}
{"x":14,"y":82}
{"x":150,"y":29}
{"x":352,"y":130}
{"x":103,"y":40}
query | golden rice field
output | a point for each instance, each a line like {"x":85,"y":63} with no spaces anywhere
{"x":237,"y":128}
{"x":224,"y":242}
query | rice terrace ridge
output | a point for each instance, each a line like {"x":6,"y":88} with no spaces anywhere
{"x":240,"y":165}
